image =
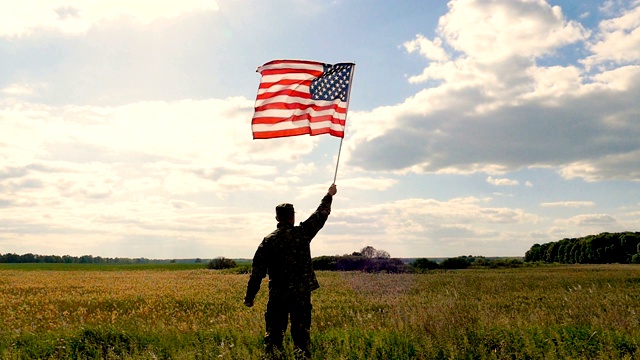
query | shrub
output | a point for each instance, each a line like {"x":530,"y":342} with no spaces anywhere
{"x":220,"y":263}
{"x":461,"y":262}
{"x":425,"y":264}
{"x":324,"y":263}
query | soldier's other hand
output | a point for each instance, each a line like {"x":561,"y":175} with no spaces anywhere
{"x":248,"y":303}
{"x":332,"y":190}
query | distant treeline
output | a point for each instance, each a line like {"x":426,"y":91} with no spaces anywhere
{"x":85,"y":259}
{"x":366,"y":260}
{"x":605,"y":248}
{"x":359,"y":262}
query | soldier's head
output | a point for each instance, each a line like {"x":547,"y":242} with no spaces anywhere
{"x":285,"y":213}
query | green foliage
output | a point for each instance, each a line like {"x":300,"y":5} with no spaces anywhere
{"x":367,"y":260}
{"x":239,"y":269}
{"x":499,"y":263}
{"x":67,"y":259}
{"x":425,"y":264}
{"x":221,"y":263}
{"x":324,"y":263}
{"x":359,"y":263}
{"x":460,"y":262}
{"x":604,"y":248}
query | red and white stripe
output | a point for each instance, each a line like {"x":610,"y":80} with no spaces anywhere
{"x":284,"y":106}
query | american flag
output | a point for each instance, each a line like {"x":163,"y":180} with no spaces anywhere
{"x":297,"y":97}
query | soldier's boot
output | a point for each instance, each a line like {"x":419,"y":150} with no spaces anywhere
{"x":301,"y":341}
{"x":273,"y":347}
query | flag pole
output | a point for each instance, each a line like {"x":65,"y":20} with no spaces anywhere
{"x":335,"y":175}
{"x":353,"y":69}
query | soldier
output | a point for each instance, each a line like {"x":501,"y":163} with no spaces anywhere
{"x":285,"y":255}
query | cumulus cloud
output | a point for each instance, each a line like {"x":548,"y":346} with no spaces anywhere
{"x":502,"y":182}
{"x":618,"y":39}
{"x":431,"y":50}
{"x":496,"y":109}
{"x":491,"y":31}
{"x":623,"y":166}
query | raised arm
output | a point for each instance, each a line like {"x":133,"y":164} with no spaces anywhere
{"x":316,"y":221}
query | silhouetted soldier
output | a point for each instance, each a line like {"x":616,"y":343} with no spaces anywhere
{"x":285,"y":255}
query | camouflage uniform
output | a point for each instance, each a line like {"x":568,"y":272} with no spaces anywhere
{"x":286,"y":257}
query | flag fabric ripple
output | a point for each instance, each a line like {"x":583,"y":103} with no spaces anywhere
{"x":298,"y":97}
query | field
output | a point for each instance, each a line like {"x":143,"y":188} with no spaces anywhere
{"x":546,"y":312}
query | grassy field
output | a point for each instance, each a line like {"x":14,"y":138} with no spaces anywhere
{"x":547,"y":312}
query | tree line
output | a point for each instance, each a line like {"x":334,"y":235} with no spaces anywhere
{"x":368,"y":259}
{"x":371,"y":260}
{"x":11,"y":258}
{"x":604,"y":248}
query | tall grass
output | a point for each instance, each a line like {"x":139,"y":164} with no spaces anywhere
{"x":577,"y":312}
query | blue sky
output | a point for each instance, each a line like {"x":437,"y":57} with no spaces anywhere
{"x":475,"y":127}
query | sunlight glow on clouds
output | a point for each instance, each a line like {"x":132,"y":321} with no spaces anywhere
{"x":618,"y":40}
{"x":125,"y":171}
{"x":77,"y":16}
{"x":431,"y":50}
{"x":497,"y":30}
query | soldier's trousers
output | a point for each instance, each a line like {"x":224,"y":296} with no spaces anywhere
{"x":279,"y":308}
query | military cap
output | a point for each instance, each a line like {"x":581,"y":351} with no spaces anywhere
{"x":284,"y":210}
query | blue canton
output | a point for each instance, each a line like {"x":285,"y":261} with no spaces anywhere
{"x":333,"y":83}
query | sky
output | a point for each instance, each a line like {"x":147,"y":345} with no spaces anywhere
{"x":474,"y":127}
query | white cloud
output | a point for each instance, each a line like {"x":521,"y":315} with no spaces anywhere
{"x":618,"y":39}
{"x":573,"y":204}
{"x":365,"y":183}
{"x":495,"y":30}
{"x":77,"y":16}
{"x":554,"y":82}
{"x":502,"y":182}
{"x":497,"y":110}
{"x":624,"y":166}
{"x":603,"y":221}
{"x":431,"y":50}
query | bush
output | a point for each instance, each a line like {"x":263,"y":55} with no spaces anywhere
{"x":220,"y":263}
{"x":461,"y":262}
{"x":324,"y":263}
{"x":425,"y":264}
